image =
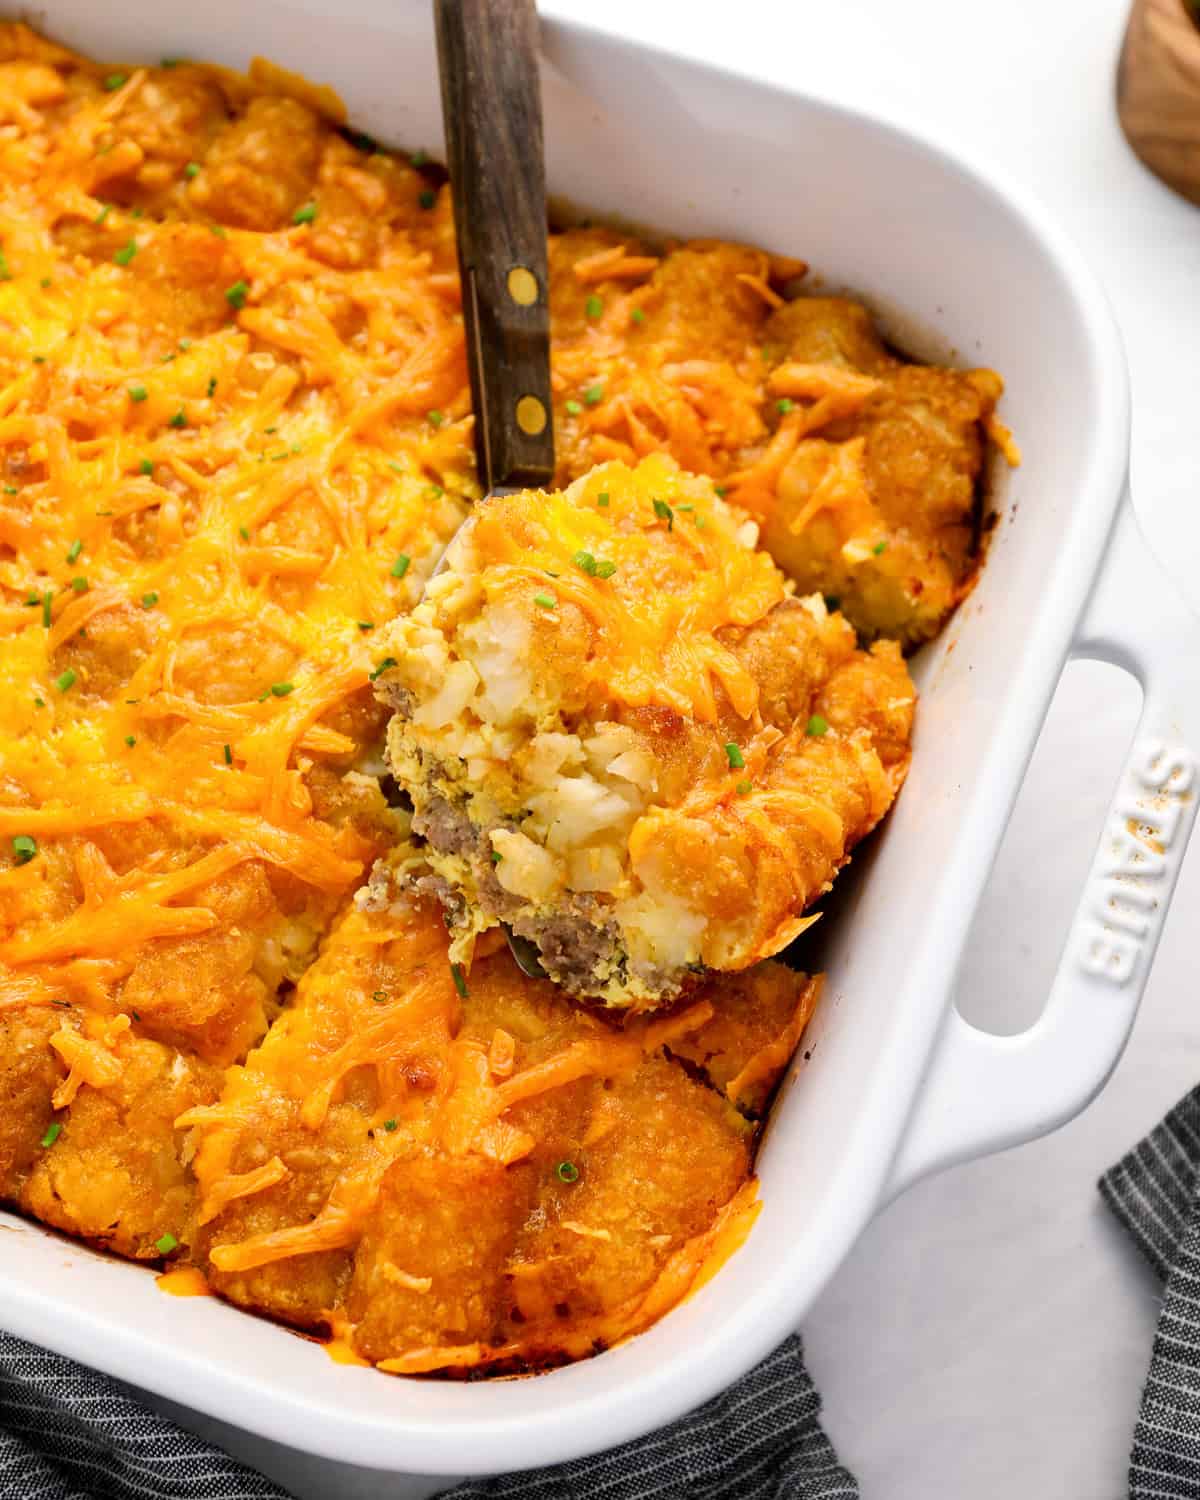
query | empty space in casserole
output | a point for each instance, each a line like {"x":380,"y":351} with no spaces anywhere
{"x":624,"y":737}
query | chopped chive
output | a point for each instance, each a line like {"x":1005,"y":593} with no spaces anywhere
{"x":264,"y":695}
{"x":282,"y":689}
{"x":169,"y":62}
{"x":545,"y":601}
{"x":66,"y":681}
{"x":593,"y":307}
{"x":832,"y":603}
{"x":879,"y":548}
{"x":784,"y":405}
{"x":434,"y":418}
{"x":130,"y":741}
{"x":103,"y":214}
{"x":733,"y":754}
{"x":496,"y":856}
{"x":135,"y":213}
{"x":45,"y":282}
{"x":400,"y":566}
{"x":41,"y":702}
{"x":10,"y":489}
{"x":79,"y":585}
{"x":74,"y":550}
{"x":817,"y":726}
{"x":244,"y":533}
{"x":33,"y":600}
{"x":212,"y":384}
{"x":701,"y":523}
{"x":664,"y":513}
{"x":637,"y":316}
{"x":5,"y":269}
{"x":185,"y":344}
{"x":305,"y":215}
{"x":682,"y":508}
{"x":384,"y":665}
{"x":426,"y":199}
{"x":586,"y":561}
{"x":460,"y":984}
{"x":126,"y":253}
{"x":24,"y":848}
{"x":720,"y":490}
{"x":47,"y":601}
{"x":39,"y":359}
{"x":178,"y":420}
{"x":138,"y":393}
{"x":605,"y":568}
{"x":149,"y":600}
{"x":218,"y":230}
{"x":167,"y":358}
{"x":419,"y":158}
{"x":53,"y":1131}
{"x":397,"y":468}
{"x":574,"y":408}
{"x":114,"y":81}
{"x":269,"y":430}
{"x":567,"y":1171}
{"x":366,"y":624}
{"x":602,"y":498}
{"x":166,"y":1244}
{"x":228,"y":753}
{"x":236,"y":294}
{"x":145,"y":467}
{"x":390,"y":1125}
{"x":593,"y":395}
{"x":191,"y":170}
{"x":744,"y":788}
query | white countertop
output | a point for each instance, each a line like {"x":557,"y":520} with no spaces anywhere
{"x":990,"y":1333}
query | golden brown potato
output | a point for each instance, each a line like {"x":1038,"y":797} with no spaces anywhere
{"x":29,"y":1074}
{"x":261,"y":168}
{"x":116,"y":1172}
{"x":880,"y":510}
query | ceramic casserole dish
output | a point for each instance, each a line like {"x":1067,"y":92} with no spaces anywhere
{"x":893,"y":1083}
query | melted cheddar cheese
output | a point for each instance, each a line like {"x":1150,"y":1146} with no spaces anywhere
{"x":233,"y":438}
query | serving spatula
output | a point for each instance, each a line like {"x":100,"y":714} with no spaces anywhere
{"x":492,"y":112}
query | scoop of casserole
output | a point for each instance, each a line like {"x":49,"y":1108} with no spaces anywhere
{"x":624,"y":738}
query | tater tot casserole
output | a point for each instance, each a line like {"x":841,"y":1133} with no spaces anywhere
{"x":270,"y":785}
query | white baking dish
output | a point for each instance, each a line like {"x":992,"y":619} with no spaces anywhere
{"x":897,"y":1084}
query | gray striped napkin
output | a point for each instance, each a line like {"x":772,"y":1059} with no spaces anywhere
{"x":1153,"y":1191}
{"x":67,"y":1433}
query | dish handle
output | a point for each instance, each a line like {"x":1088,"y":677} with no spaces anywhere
{"x":984,"y":1092}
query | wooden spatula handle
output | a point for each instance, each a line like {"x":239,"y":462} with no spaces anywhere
{"x":491,"y":105}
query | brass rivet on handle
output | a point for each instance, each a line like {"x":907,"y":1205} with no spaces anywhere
{"x":531,"y":416}
{"x":522,"y":286}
